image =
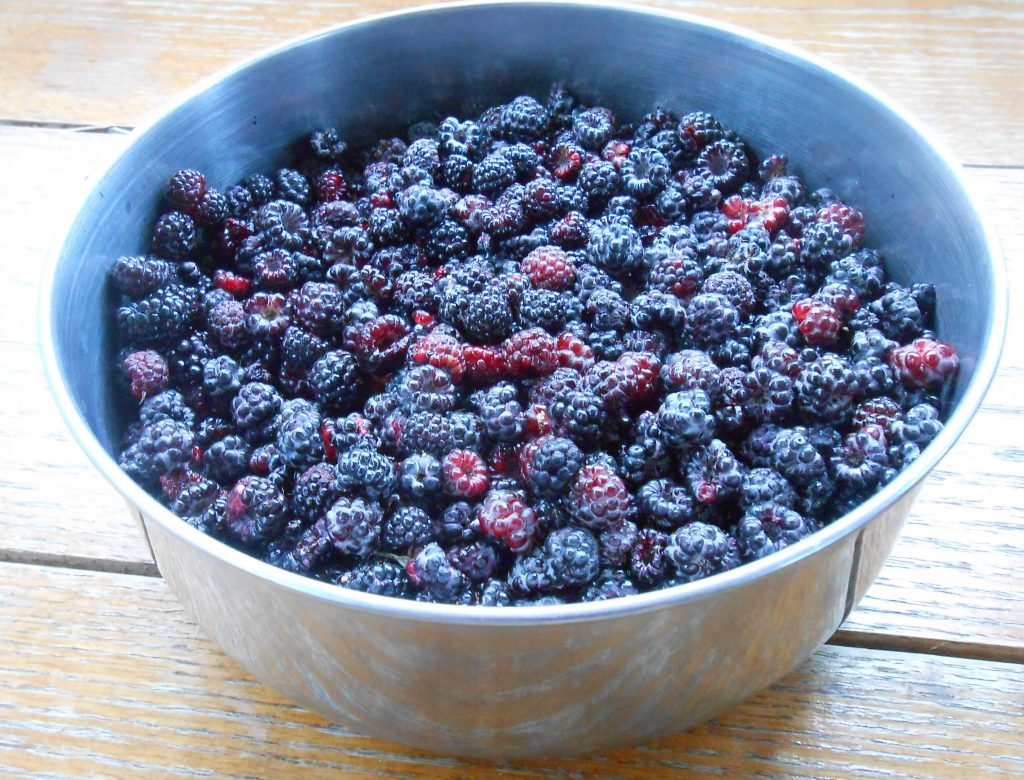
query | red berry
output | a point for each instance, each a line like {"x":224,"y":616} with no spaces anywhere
{"x":851,"y":220}
{"x":570,"y":231}
{"x":770,"y":213}
{"x":148,"y":373}
{"x":484,"y":365}
{"x":380,"y":343}
{"x":237,"y":285}
{"x":615,"y":152}
{"x":231,"y":235}
{"x":779,"y":357}
{"x":574,"y":353}
{"x":640,"y":370}
{"x":819,"y":322}
{"x":706,"y":492}
{"x":424,"y":318}
{"x":465,"y":474}
{"x":565,"y":161}
{"x":876,"y":432}
{"x":330,"y":185}
{"x":539,"y":199}
{"x":175,"y":481}
{"x":470,"y":209}
{"x":526,"y":454}
{"x":648,"y":216}
{"x":924,"y":362}
{"x":505,"y":515}
{"x":877,"y":412}
{"x":599,"y":498}
{"x":327,"y":435}
{"x":549,"y":268}
{"x":531,"y":353}
{"x":440,"y":351}
{"x":632,"y":379}
{"x":503,"y":460}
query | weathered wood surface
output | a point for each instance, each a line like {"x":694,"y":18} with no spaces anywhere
{"x":52,"y":501}
{"x":105,"y":62}
{"x":105,"y":675}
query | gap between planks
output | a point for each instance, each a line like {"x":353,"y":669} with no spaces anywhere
{"x":76,"y":127}
{"x":864,"y":640}
{"x":80,"y":563}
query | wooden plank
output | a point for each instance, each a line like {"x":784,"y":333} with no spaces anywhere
{"x":53,"y":502}
{"x":967,"y":520}
{"x":962,"y":546}
{"x":104,"y":675}
{"x":955,"y":65}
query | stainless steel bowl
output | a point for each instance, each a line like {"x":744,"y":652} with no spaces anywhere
{"x":540,"y":680}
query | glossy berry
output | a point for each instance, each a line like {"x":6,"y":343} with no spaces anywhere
{"x":476,"y":560}
{"x":335,"y":380}
{"x":464,"y":474}
{"x":768,"y":528}
{"x":685,"y":420}
{"x":158,"y":319}
{"x":379,"y":576}
{"x":549,"y":268}
{"x":919,"y":425}
{"x":314,"y":491}
{"x":664,"y":504}
{"x":255,"y":510}
{"x":861,"y":461}
{"x":353,"y":526}
{"x":137,"y":276}
{"x":531,"y":353}
{"x":572,"y":557}
{"x":598,"y":498}
{"x":649,"y":562}
{"x":819,"y":322}
{"x":924,"y":363}
{"x":430,"y":570}
{"x":553,"y":467}
{"x":698,"y":550}
{"x":420,"y":477}
{"x":174,"y":236}
{"x":506,"y":516}
{"x":794,"y":455}
{"x":406,"y":528}
{"x":147,"y":373}
{"x":362,"y":468}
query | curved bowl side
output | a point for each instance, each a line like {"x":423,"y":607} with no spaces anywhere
{"x":518,"y":692}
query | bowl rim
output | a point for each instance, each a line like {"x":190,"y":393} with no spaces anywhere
{"x":300,"y":585}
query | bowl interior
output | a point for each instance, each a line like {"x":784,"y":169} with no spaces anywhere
{"x":382,"y":74}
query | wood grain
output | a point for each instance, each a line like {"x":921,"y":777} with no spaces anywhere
{"x":954,"y":577}
{"x":105,"y":676}
{"x":52,"y":501}
{"x":963,"y":544}
{"x":104,"y":62}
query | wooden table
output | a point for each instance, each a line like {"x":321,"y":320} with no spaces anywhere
{"x":101,"y":673}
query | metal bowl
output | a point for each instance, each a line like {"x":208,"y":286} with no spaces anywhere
{"x":536,"y":680}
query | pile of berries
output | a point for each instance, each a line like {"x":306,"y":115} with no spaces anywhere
{"x":535,"y":357}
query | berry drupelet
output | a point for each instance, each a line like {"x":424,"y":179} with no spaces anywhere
{"x":536,"y":357}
